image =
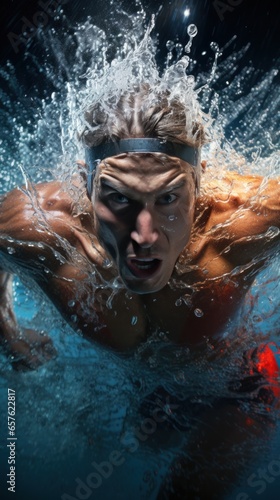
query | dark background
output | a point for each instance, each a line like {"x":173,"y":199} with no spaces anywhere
{"x":256,"y":22}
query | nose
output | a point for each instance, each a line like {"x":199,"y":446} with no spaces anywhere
{"x":145,"y":234}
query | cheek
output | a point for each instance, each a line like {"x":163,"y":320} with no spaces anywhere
{"x":109,"y":229}
{"x":178,"y":226}
{"x":105,"y":220}
{"x":102,"y":213}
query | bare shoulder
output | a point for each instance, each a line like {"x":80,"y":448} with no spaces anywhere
{"x":24,"y":212}
{"x":45,"y":214}
{"x":237,"y":219}
{"x":253,"y":194}
{"x":235,"y":189}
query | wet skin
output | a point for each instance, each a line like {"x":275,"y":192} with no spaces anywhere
{"x":163,"y":243}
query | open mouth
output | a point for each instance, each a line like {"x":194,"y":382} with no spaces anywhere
{"x":143,"y":268}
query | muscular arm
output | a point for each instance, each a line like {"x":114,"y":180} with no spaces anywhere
{"x":21,"y":232}
{"x":42,"y":237}
{"x":8,"y":323}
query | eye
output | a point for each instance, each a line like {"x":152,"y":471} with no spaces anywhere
{"x":118,"y":198}
{"x":167,"y":199}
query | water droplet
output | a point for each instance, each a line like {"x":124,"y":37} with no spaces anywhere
{"x":170,"y":45}
{"x":172,"y":217}
{"x":214,"y":46}
{"x":192,"y":30}
{"x":11,"y":250}
{"x":257,"y":319}
{"x":134,"y":320}
{"x":185,"y":61}
{"x":178,"y":302}
{"x":107,"y":263}
{"x":74,"y":318}
{"x":152,"y":362}
{"x":188,"y":47}
{"x":179,"y":49}
{"x":198,"y":313}
{"x":180,"y":377}
{"x":71,"y":303}
{"x":41,"y":257}
{"x":187,"y":300}
{"x":227,"y":249}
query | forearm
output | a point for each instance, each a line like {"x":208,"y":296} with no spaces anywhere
{"x":9,"y":329}
{"x":26,"y":348}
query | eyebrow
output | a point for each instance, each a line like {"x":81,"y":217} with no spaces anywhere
{"x":123,"y":188}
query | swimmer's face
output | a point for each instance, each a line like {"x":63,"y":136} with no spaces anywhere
{"x":144,"y":209}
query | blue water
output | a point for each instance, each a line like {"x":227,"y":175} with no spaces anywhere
{"x":83,"y":407}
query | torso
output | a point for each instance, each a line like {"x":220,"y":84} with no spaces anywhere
{"x":196,"y":309}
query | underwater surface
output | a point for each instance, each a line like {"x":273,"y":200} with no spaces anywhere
{"x":84,"y":424}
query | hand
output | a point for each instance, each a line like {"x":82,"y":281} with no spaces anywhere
{"x":30,"y":350}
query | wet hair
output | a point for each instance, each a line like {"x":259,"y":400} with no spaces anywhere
{"x":144,"y":112}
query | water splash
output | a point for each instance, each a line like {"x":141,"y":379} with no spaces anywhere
{"x":84,"y":63}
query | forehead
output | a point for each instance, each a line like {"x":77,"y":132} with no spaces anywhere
{"x":144,"y":172}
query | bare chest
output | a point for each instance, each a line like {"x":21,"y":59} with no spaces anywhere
{"x":123,"y":321}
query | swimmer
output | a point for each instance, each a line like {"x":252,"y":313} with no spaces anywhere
{"x":143,"y":211}
{"x":146,"y":207}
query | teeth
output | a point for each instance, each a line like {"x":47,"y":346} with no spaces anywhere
{"x":144,"y":263}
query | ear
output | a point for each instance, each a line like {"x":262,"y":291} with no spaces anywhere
{"x":203,"y":165}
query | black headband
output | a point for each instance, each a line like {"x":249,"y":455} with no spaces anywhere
{"x":138,"y":145}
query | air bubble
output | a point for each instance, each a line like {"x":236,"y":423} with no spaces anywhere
{"x":71,"y":303}
{"x":11,"y":250}
{"x":192,"y":30}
